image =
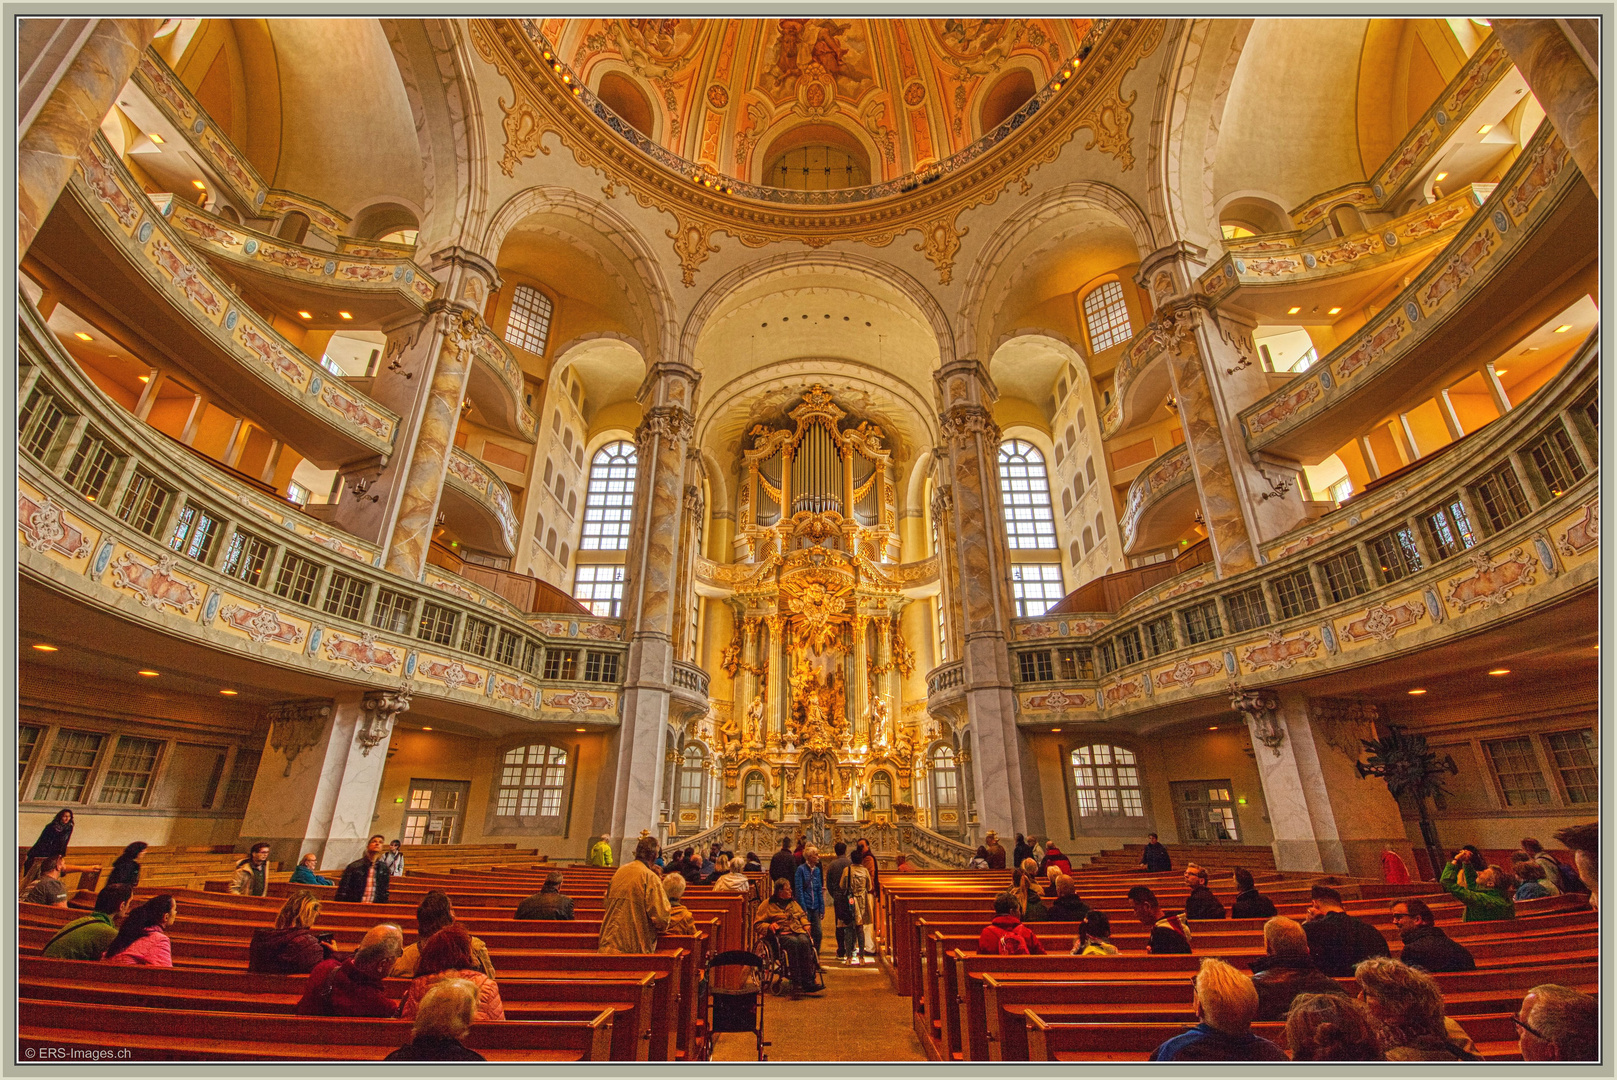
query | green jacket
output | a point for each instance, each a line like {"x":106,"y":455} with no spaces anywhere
{"x":1481,"y":905}
{"x":83,"y":939}
{"x":601,"y":854}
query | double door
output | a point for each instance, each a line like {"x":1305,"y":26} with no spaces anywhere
{"x":1205,"y":812}
{"x":433,"y":811}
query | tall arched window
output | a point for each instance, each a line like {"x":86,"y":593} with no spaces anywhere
{"x":1108,"y":782}
{"x":693,"y":772}
{"x":1025,"y":484}
{"x":533,"y":780}
{"x":527,"y":324}
{"x":945,"y":788}
{"x":1106,"y":317}
{"x":610,"y":500}
{"x":881,"y":791}
{"x":754,"y":790}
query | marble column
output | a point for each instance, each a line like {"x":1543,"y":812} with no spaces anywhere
{"x":1559,"y":60}
{"x":1007,"y":780}
{"x":658,"y":547}
{"x":320,"y":774}
{"x":1323,"y":816}
{"x":71,"y":114}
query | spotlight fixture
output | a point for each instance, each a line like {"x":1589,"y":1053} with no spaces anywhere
{"x":144,"y":378}
{"x":1212,"y":727}
{"x":579,"y":729}
{"x":425,"y":728}
{"x":1484,"y":129}
{"x":42,"y":647}
{"x":1055,"y":731}
{"x":82,"y":336}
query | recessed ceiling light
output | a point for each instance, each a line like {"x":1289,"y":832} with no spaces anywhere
{"x":1484,"y":129}
{"x":148,"y":674}
{"x":46,"y":648}
{"x":304,"y":315}
{"x":1293,"y":311}
{"x":1334,"y":311}
{"x":230,"y":693}
{"x":82,"y":336}
{"x":1055,"y":731}
{"x":1501,"y":371}
{"x":1418,"y":690}
{"x":199,"y":185}
{"x":1212,"y":727}
{"x":1563,"y":328}
{"x":345,"y":314}
{"x":1500,"y":671}
{"x":1440,"y":177}
{"x":144,"y":378}
{"x":156,"y":138}
{"x":425,"y":728}
{"x":580,"y":729}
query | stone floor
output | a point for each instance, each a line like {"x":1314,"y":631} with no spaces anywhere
{"x":857,"y":1018}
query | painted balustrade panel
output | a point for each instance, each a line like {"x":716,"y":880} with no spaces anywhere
{"x":498,"y":359}
{"x":472,"y":476}
{"x":1486,"y":244}
{"x":1167,"y":473}
{"x":214,"y":235}
{"x":123,"y":212}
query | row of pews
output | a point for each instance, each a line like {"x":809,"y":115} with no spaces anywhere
{"x":563,"y":1000}
{"x":1059,"y":1007}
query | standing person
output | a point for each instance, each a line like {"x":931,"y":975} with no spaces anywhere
{"x":636,"y":907}
{"x":1037,"y":854}
{"x":861,"y":934}
{"x":305,"y":873}
{"x":996,"y":853}
{"x":1201,"y":903}
{"x":797,"y":852}
{"x":291,"y":947}
{"x":1286,"y":970}
{"x":1054,"y":857}
{"x":355,"y":986}
{"x":1168,"y":936}
{"x":1226,"y":1004}
{"x":1393,"y":869}
{"x":435,"y":912}
{"x":1006,"y":934}
{"x":126,"y":867}
{"x":252,"y":873}
{"x":836,"y":883}
{"x":681,"y":920}
{"x":48,"y":888}
{"x":1249,"y":902}
{"x":1480,"y":893}
{"x":1584,"y":843}
{"x":447,"y":954}
{"x":601,"y":852}
{"x":808,"y":885}
{"x":784,"y":917}
{"x":1155,"y":858}
{"x":548,"y":902}
{"x":393,"y":859}
{"x":52,"y":840}
{"x":1021,"y":850}
{"x":1336,"y":940}
{"x":143,"y":938}
{"x":88,"y":938}
{"x":441,"y":1022}
{"x":1425,"y":945}
{"x":782,"y":865}
{"x":364,"y":881}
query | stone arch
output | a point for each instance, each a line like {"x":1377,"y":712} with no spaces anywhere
{"x":371,"y":218}
{"x":768,"y":139}
{"x":988,"y":87}
{"x":976,"y":311}
{"x":600,"y":69}
{"x":649,"y":290}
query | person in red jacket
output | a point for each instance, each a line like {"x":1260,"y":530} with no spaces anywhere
{"x":354,"y":987}
{"x":1006,"y":936}
{"x":1054,"y":857}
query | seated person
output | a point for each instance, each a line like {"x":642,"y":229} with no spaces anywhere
{"x":1226,"y":1003}
{"x":1408,"y":1005}
{"x":1005,"y":935}
{"x":1336,"y":940}
{"x":1168,"y":936}
{"x":731,"y":878}
{"x":306,"y":874}
{"x":680,"y":918}
{"x":1332,"y":1027}
{"x":548,"y":902}
{"x":780,"y":915}
{"x":1249,"y":902}
{"x":1557,"y":1023}
{"x":142,"y":940}
{"x":431,"y":915}
{"x":291,"y":947}
{"x":1095,"y":939}
{"x":354,"y":986}
{"x":1054,"y":858}
{"x":1287,"y":970}
{"x":447,"y":954}
{"x":1425,"y":946}
{"x":1030,"y":905}
{"x":441,"y":1022}
{"x":49,"y":888}
{"x":1066,"y":907}
{"x":88,"y":938}
{"x":1201,"y":903}
{"x":1531,"y":876}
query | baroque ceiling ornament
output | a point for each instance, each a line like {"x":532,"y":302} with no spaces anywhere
{"x":704,"y":203}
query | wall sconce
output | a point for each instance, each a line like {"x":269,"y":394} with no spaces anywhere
{"x":361,"y":486}
{"x":1277,"y":488}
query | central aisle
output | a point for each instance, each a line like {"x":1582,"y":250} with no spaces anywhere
{"x":857,"y":1018}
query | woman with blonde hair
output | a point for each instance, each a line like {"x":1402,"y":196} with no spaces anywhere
{"x":1331,"y":1027}
{"x":291,"y":947}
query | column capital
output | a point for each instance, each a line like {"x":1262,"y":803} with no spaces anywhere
{"x":1171,"y":271}
{"x":468,"y":278}
{"x":295,"y":726}
{"x":380,"y":709}
{"x":964,"y":380}
{"x":962,"y":422}
{"x":670,"y":383}
{"x":1259,"y":707}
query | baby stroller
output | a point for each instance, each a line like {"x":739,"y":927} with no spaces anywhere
{"x":737,"y":1009}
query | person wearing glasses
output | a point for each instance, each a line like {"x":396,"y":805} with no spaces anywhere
{"x":1409,"y":1006}
{"x":1426,"y":946}
{"x":1557,"y":1023}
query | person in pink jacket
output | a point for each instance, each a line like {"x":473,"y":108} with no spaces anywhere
{"x":447,"y":954}
{"x":143,"y":938}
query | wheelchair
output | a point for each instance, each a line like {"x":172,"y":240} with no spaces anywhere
{"x":774,"y":975}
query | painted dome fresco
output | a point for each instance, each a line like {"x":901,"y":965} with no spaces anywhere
{"x":815,"y":102}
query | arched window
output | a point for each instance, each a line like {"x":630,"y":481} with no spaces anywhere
{"x":1089,"y":468}
{"x":1074,"y":552}
{"x":563,"y":555}
{"x":1106,"y":317}
{"x":754,"y":790}
{"x":1100,"y":527}
{"x":527,"y":324}
{"x":1108,"y":782}
{"x":1081,"y":421}
{"x":1066,"y":502}
{"x":550,"y":542}
{"x":881,"y":791}
{"x":567,"y":439}
{"x":1070,"y":436}
{"x":1089,"y":540}
{"x":294,"y":227}
{"x":610,"y":499}
{"x":1060,"y":454}
{"x":945,"y":786}
{"x":693,"y":771}
{"x":1077,"y":487}
{"x":550,"y":471}
{"x":533,"y":780}
{"x":1025,"y":485}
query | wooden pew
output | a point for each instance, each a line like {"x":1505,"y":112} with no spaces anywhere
{"x":170,"y":1035}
